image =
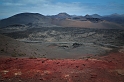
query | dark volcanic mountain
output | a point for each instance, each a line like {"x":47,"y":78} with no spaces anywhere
{"x":88,"y":16}
{"x":93,"y":18}
{"x":25,"y":18}
{"x":81,"y":18}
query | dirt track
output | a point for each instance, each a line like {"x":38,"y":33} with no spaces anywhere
{"x":108,"y":68}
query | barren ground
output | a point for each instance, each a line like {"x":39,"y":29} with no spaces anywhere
{"x":62,"y":55}
{"x":108,"y":68}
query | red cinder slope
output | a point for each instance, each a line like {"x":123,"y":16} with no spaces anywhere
{"x":101,"y":69}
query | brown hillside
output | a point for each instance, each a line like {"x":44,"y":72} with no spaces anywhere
{"x":86,"y":24}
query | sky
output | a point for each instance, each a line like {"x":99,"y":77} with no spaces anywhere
{"x":52,"y":7}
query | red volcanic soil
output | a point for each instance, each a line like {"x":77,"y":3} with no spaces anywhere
{"x":108,"y":68}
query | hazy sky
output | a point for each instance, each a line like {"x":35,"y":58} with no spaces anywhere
{"x":50,"y":7}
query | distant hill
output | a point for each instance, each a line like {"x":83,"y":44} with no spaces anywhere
{"x":61,"y":16}
{"x":116,"y":18}
{"x":96,"y":16}
{"x":25,"y":18}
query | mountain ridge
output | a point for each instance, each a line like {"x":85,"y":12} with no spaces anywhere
{"x":35,"y":20}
